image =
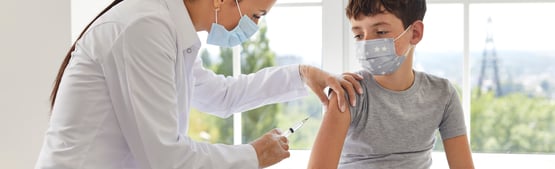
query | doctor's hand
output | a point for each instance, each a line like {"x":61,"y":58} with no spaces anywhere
{"x":271,"y":148}
{"x":318,"y":80}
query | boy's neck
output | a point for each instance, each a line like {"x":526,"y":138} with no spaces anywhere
{"x":400,"y":80}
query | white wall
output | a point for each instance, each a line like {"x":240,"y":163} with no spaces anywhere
{"x":34,"y":36}
{"x":83,"y":12}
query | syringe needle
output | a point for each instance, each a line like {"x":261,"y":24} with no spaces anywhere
{"x":306,"y":119}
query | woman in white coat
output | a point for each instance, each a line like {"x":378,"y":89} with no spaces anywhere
{"x":123,"y":93}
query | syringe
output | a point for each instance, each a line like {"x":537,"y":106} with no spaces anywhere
{"x":295,"y":127}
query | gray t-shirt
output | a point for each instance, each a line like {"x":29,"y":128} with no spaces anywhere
{"x":392,"y":129}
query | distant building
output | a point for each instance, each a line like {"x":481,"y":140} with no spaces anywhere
{"x":288,"y":60}
{"x":488,"y":79}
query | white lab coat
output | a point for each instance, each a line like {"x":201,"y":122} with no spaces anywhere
{"x":125,"y":96}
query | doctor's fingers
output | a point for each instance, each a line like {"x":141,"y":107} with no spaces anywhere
{"x":282,"y":151}
{"x":285,"y":154}
{"x":350,"y":87}
{"x":279,"y":148}
{"x":272,"y":154}
{"x":281,"y":140}
{"x":284,"y":142}
{"x":336,"y":85}
{"x":354,"y":79}
{"x":354,"y":75}
{"x":349,"y":83}
{"x":276,"y":131}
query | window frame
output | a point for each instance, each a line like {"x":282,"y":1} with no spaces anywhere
{"x":337,"y":42}
{"x":237,"y":117}
{"x":466,"y":83}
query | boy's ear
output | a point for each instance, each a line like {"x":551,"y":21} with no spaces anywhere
{"x":417,"y":32}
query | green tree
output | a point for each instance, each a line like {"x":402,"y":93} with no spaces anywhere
{"x":255,"y":55}
{"x":513,"y":123}
{"x":206,"y":61}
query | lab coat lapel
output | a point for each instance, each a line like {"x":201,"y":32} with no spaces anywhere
{"x":186,"y":34}
{"x":188,"y":44}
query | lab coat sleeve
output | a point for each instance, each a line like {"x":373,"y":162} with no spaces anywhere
{"x":223,"y":96}
{"x":140,"y":75}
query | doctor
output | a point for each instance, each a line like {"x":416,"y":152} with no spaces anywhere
{"x":123,"y":93}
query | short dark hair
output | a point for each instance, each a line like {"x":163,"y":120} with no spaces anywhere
{"x":406,"y":10}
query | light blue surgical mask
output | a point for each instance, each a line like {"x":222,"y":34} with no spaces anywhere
{"x":242,"y":32}
{"x":379,"y":56}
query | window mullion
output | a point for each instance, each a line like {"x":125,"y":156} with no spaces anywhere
{"x":237,"y":122}
{"x":466,"y":90}
{"x":333,"y":42}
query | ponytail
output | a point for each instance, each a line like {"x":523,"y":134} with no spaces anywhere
{"x":68,"y":55}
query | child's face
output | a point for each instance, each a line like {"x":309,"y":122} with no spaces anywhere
{"x":383,"y":25}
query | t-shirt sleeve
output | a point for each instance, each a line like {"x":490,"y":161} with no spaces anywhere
{"x":452,"y":123}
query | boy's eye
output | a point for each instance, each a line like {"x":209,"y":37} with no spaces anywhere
{"x":357,"y":37}
{"x":256,"y":16}
{"x":381,"y":32}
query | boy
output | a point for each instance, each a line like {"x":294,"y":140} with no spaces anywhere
{"x":394,"y":122}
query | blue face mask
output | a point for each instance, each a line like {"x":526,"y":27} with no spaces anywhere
{"x":379,"y":56}
{"x":242,"y":32}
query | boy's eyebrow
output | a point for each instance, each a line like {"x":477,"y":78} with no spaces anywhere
{"x":380,"y":23}
{"x":373,"y":25}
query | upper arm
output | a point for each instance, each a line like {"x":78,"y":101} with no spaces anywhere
{"x":453,"y":133}
{"x":458,"y":153}
{"x":328,"y":145}
{"x":452,"y":123}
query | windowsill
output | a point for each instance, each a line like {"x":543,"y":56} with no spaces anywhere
{"x":299,"y":159}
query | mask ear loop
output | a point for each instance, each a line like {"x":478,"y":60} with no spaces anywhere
{"x":403,"y":33}
{"x":411,"y":46}
{"x":240,"y":14}
{"x":216,"y":10}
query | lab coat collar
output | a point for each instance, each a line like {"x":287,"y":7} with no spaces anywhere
{"x":187,"y":35}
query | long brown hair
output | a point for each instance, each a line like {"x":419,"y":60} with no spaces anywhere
{"x":68,"y":55}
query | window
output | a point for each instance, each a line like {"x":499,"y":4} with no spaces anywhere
{"x":289,"y":43}
{"x":513,"y":93}
{"x":512,"y":129}
{"x":268,"y":47}
{"x":440,"y":52}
